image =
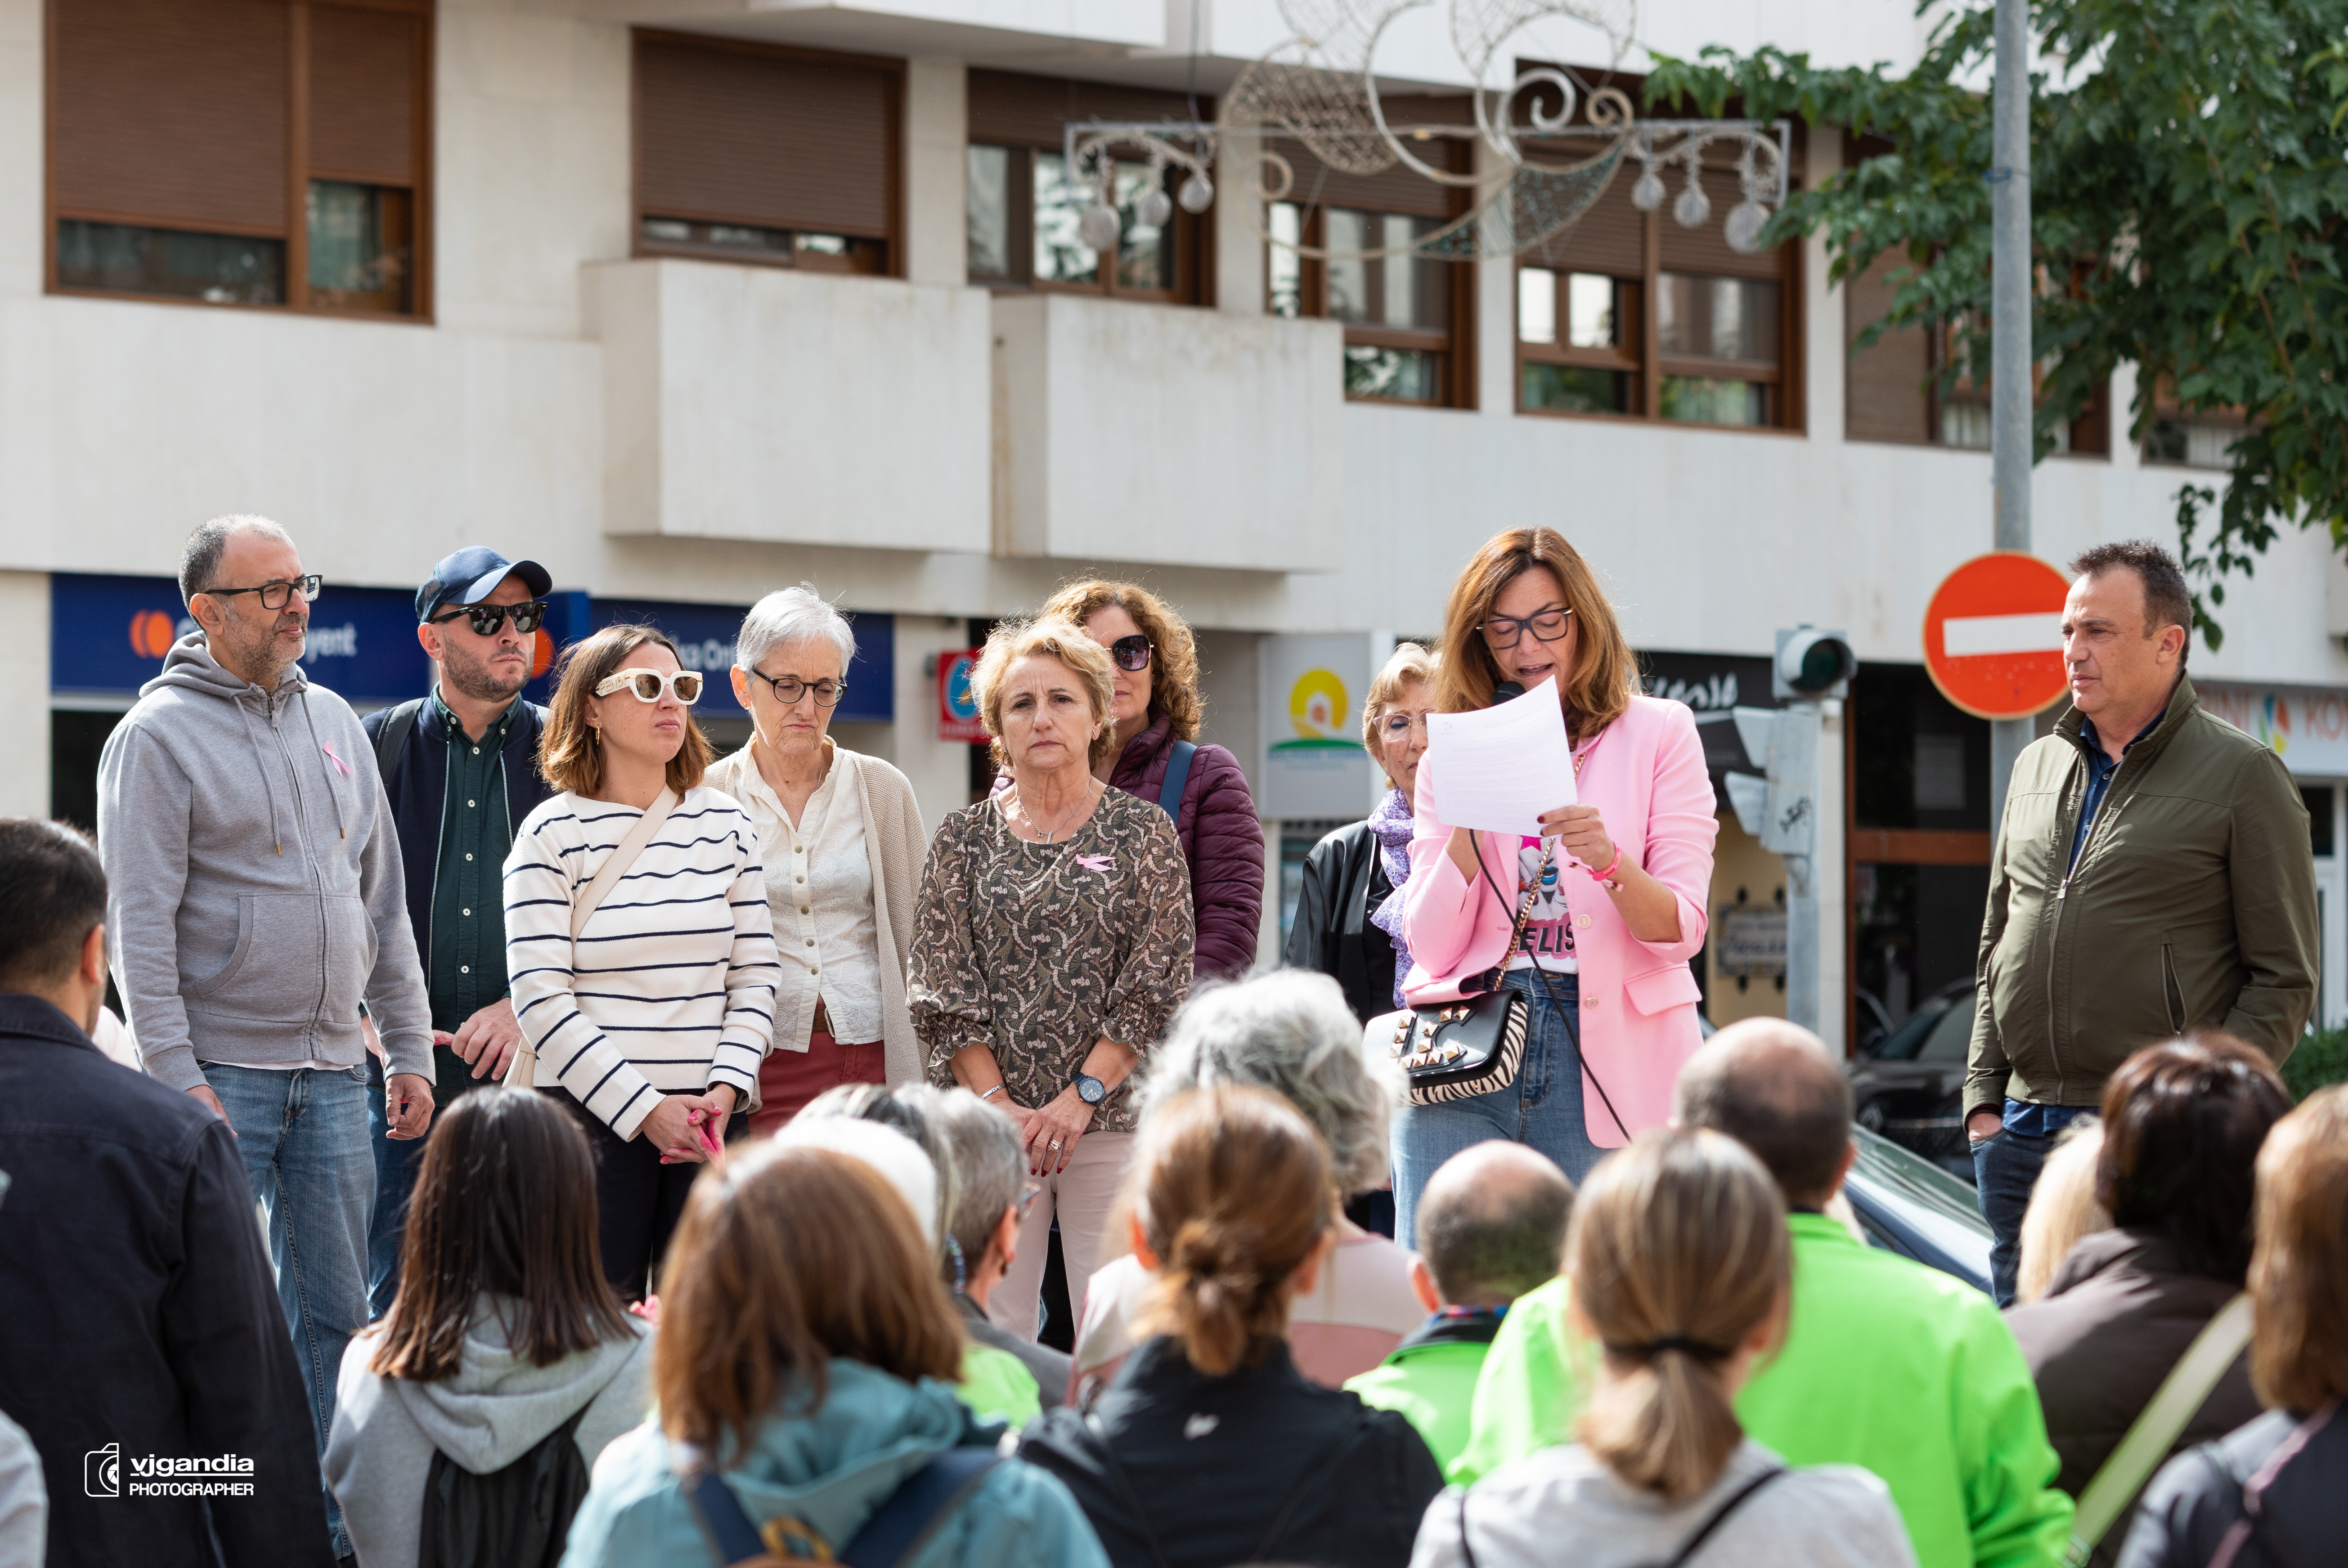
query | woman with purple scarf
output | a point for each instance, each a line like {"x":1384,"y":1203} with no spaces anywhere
{"x":1348,"y":921}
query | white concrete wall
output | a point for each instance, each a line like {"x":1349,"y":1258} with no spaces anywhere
{"x":937,"y":135}
{"x":24,"y":693}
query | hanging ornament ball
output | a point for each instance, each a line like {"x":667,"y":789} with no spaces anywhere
{"x":1691,"y":208}
{"x":1743,"y":230}
{"x":1154,"y":208}
{"x":1198,"y":193}
{"x":1098,"y":227}
{"x":1647,"y":194}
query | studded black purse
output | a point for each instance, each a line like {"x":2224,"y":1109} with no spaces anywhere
{"x":1454,"y":1051}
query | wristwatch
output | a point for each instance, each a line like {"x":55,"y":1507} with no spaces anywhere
{"x":1090,"y":1090}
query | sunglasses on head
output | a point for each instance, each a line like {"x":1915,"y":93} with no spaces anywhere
{"x":1132,"y":653}
{"x":646,"y":685}
{"x":486,"y":617}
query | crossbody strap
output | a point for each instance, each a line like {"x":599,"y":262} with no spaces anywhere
{"x":2181,"y":1394}
{"x":1719,"y":1516}
{"x":392,"y":739}
{"x":623,"y":855}
{"x":1177,"y":776}
{"x":2254,"y":1490}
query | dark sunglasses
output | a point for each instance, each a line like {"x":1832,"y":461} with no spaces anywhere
{"x":487,"y":618}
{"x":1132,"y":653}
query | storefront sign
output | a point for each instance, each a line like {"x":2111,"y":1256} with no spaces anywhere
{"x":958,"y":716}
{"x":1749,"y":941}
{"x":1314,"y":764}
{"x":705,"y":635}
{"x":2307,"y":726}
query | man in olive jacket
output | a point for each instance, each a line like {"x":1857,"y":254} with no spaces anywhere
{"x":2153,"y":874}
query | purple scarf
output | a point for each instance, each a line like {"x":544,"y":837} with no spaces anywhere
{"x":1391,"y":822}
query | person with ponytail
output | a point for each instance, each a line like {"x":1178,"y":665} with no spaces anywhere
{"x":1210,"y":1448}
{"x":1683,"y":1272}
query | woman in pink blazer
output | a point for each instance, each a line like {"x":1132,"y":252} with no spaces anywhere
{"x":1618,"y":883}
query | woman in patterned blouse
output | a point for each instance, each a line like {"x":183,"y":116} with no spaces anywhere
{"x":1052,"y":943}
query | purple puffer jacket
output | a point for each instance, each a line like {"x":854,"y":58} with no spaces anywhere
{"x":1222,"y":839}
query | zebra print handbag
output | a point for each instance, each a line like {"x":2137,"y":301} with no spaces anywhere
{"x":1455,"y":1050}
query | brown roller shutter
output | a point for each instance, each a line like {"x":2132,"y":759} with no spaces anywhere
{"x":364,"y":67}
{"x":1704,"y":250}
{"x":1609,"y":238}
{"x":1885,"y":396}
{"x":1009,"y":109}
{"x":737,"y":135}
{"x":171,"y":112}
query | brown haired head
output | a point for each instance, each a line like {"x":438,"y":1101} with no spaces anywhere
{"x":1232,"y":1194}
{"x":569,"y":755}
{"x":2299,"y":1273}
{"x":1173,"y":651}
{"x":504,"y":1206}
{"x":2182,"y":1125}
{"x":1046,"y":637}
{"x":786,"y":1257}
{"x":1605,"y":674}
{"x":1679,"y":1258}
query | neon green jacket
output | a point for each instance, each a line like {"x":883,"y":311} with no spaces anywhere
{"x":998,"y":1387}
{"x":1430,"y":1378}
{"x":1886,"y":1364}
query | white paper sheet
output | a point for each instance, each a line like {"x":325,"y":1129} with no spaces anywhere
{"x":1499,"y":769}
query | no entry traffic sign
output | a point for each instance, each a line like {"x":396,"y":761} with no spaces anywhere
{"x":1993,"y":635}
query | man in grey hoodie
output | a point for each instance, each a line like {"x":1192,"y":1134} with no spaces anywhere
{"x":255,"y":898}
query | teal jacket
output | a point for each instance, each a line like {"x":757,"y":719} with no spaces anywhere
{"x":1430,"y":1379}
{"x":832,"y":1470}
{"x":1887,"y":1365}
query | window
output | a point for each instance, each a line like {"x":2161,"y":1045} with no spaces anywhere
{"x":242,"y":152}
{"x":1022,"y":207}
{"x":2191,"y":440}
{"x":775,"y":156}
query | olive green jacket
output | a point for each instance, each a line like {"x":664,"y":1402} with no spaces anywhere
{"x":2192,"y":905}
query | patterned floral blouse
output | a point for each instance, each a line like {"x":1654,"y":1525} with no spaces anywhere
{"x":1040,"y":950}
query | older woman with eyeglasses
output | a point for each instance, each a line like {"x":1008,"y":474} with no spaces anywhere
{"x":1157,"y":712}
{"x":1348,"y":924}
{"x":841,"y":839}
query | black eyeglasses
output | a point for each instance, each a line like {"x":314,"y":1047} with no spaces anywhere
{"x":487,"y":618}
{"x":274,"y":595}
{"x":1132,"y":653}
{"x":790,"y":689}
{"x":1508,"y":630}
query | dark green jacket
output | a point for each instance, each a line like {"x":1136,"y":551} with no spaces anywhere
{"x":2192,"y":905}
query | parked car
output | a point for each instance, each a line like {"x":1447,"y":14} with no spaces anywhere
{"x":1909,"y":1205}
{"x":1910,"y":1084}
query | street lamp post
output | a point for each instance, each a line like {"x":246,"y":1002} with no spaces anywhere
{"x":2011,"y":378}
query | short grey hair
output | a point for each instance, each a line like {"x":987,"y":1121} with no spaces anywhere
{"x":1290,"y":1032}
{"x":909,"y":1109}
{"x":199,"y":559}
{"x":792,"y":615}
{"x":989,"y":1169}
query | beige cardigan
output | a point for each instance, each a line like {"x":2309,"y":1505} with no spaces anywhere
{"x":895,"y":843}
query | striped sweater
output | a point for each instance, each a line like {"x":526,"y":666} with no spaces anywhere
{"x":674,"y":988}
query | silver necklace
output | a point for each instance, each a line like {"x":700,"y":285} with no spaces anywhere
{"x":1052,"y":836}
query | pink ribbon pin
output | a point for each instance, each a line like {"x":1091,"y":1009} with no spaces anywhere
{"x":1100,"y":863}
{"x":340,"y":766}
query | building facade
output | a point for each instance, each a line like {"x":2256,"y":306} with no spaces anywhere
{"x":693,"y":299}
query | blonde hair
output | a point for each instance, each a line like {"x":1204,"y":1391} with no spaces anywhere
{"x":2299,"y":1269}
{"x":1046,"y":637}
{"x":1234,"y":1192}
{"x":1173,"y":651}
{"x":569,"y":755}
{"x":2063,"y":1207}
{"x":1678,"y":1253}
{"x":1409,"y":662}
{"x":1605,"y":675}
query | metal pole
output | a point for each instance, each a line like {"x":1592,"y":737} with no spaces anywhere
{"x":2010,"y":355}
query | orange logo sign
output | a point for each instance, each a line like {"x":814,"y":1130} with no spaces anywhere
{"x":150,"y":634}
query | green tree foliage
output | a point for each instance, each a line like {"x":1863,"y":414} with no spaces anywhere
{"x":2187,"y":192}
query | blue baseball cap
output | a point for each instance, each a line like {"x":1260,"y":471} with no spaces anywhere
{"x":471,"y":575}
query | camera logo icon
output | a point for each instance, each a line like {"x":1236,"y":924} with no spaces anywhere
{"x":101,"y":1472}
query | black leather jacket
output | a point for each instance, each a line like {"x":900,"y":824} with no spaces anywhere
{"x":1343,"y":881}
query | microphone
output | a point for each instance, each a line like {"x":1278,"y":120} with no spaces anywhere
{"x":1507,"y":689}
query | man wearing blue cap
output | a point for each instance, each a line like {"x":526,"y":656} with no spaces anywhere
{"x":461,"y":769}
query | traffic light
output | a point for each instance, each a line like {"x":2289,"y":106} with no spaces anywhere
{"x":1811,"y":664}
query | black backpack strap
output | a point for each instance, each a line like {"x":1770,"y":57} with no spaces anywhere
{"x":1177,"y":777}
{"x":1100,"y":1436}
{"x":1719,"y":1516}
{"x":905,"y":1522}
{"x":392,"y":739}
{"x":722,"y":1515}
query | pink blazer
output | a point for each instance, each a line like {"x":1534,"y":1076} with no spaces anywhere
{"x":1646,"y":775}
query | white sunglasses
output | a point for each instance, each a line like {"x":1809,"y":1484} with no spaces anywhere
{"x":648,"y":684}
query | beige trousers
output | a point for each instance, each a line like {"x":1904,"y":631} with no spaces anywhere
{"x":1082,"y":1196}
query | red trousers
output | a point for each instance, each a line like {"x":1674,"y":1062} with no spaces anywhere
{"x":787,"y":1080}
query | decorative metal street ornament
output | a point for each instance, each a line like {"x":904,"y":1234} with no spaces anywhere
{"x":1318,"y":90}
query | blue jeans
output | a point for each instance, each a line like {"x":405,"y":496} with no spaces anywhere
{"x":303,"y":1137}
{"x":2006,"y":1167}
{"x":395,"y":1178}
{"x":1541,"y":1110}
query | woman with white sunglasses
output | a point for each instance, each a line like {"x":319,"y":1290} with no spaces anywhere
{"x":648,"y":1019}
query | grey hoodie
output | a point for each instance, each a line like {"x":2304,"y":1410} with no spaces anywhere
{"x":253,"y":888}
{"x":496,"y":1409}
